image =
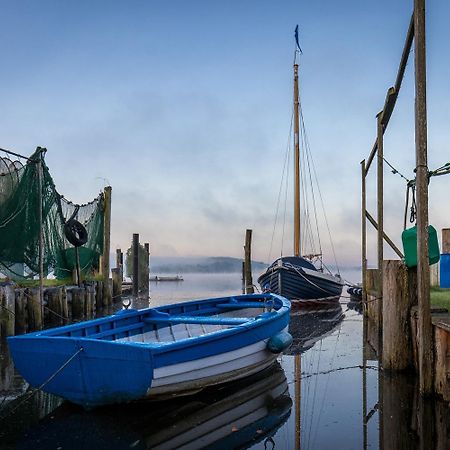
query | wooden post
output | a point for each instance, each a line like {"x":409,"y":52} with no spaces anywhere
{"x":104,"y":269}
{"x":423,"y":269}
{"x":34,"y":307}
{"x":380,"y":208}
{"x":21,"y":325}
{"x":41,"y":230}
{"x":243,"y":277}
{"x":135,"y":264}
{"x":397,"y":340}
{"x":119,"y":263}
{"x":363,"y":235}
{"x":78,"y":303}
{"x":248,"y":262}
{"x":7,"y":310}
{"x":99,"y":294}
{"x":117,"y":283}
{"x":54,"y":304}
{"x":107,"y":292}
{"x":147,"y":266}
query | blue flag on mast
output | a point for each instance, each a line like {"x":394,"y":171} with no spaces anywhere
{"x":296,"y":39}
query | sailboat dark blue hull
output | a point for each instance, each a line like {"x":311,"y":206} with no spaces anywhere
{"x":298,"y":279}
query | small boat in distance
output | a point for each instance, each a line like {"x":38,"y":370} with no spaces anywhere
{"x":167,"y":278}
{"x":296,"y":277}
{"x":172,"y":349}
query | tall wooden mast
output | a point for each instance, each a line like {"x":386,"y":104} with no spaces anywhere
{"x":296,"y":166}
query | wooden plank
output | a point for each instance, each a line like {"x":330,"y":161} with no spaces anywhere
{"x":197,"y":319}
{"x":445,"y":240}
{"x":385,"y":236}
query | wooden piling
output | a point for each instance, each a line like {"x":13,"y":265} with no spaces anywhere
{"x":54,"y":305}
{"x":104,"y":267}
{"x":78,"y":303}
{"x":397,"y":339}
{"x":99,"y":294}
{"x":135,"y":264}
{"x":423,"y":274}
{"x":380,"y":209}
{"x":7,"y":310}
{"x":119,"y":263}
{"x":147,"y":266}
{"x":117,"y":283}
{"x":107,"y":292}
{"x":248,"y":262}
{"x":21,"y":310}
{"x":35,"y":316}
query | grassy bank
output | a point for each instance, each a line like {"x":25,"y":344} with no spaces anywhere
{"x":440,"y":298}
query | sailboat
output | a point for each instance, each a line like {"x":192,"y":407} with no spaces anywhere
{"x":297,"y":277}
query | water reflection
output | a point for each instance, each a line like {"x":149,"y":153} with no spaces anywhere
{"x":235,"y":415}
{"x":329,"y":393}
{"x":311,"y":324}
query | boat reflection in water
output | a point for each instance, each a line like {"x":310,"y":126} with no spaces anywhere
{"x":235,"y":415}
{"x":310,"y":324}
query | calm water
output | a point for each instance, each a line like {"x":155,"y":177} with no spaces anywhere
{"x":326,"y":393}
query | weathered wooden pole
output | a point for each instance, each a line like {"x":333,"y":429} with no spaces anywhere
{"x":54,"y":303}
{"x":380,"y":219}
{"x":34,"y":307}
{"x":106,"y":232}
{"x":117,"y":283}
{"x":243,"y":277}
{"x":40,"y":170}
{"x":119,"y":263}
{"x":397,"y":340}
{"x":423,"y":268}
{"x":135,"y":253}
{"x":7,"y":310}
{"x":363,"y":236}
{"x":147,"y":267}
{"x":78,"y":303}
{"x":248,"y":262}
{"x":21,"y":322}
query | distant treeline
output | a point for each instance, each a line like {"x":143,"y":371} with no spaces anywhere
{"x":215,"y":264}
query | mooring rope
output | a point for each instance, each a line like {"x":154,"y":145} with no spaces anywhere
{"x":34,"y":390}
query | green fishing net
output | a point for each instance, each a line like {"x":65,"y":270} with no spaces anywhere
{"x":20,"y":224}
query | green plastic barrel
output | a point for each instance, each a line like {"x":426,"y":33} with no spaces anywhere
{"x":409,"y":239}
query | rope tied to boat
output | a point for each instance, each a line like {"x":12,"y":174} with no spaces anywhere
{"x":50,"y":378}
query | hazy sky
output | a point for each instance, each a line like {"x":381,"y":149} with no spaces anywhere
{"x":184,"y":108}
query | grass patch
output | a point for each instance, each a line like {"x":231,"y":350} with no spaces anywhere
{"x":52,"y":282}
{"x":440,"y":298}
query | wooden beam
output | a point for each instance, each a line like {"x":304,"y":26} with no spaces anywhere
{"x":392,"y":94}
{"x":385,"y":236}
{"x":423,"y":268}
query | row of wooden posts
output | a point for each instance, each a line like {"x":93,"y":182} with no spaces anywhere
{"x":21,"y":310}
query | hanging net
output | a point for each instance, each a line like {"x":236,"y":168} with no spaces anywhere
{"x":20,"y":223}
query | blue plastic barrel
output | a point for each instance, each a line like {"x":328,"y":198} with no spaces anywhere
{"x":445,"y":270}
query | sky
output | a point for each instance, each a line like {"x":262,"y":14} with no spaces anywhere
{"x":184,"y":108}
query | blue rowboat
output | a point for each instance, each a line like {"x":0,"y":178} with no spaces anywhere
{"x":172,"y":349}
